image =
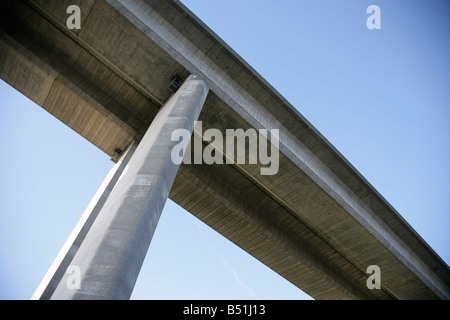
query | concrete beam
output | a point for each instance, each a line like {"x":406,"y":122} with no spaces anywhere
{"x":111,"y":255}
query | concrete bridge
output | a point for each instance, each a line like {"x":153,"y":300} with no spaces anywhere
{"x":138,"y":70}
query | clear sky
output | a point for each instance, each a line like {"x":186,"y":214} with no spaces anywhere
{"x":381,"y":97}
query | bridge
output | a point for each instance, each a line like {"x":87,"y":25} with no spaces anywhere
{"x":138,"y":70}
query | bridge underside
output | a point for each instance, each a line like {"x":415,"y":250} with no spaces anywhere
{"x":317,"y":222}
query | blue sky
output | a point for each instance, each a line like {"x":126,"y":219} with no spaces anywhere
{"x":381,"y":97}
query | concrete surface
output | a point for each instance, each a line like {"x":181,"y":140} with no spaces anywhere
{"x":62,"y":262}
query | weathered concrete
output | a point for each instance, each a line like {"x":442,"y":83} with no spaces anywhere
{"x":317,"y":222}
{"x":111,"y":255}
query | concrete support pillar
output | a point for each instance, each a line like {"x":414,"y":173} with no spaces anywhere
{"x":109,"y":259}
{"x":59,"y":267}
